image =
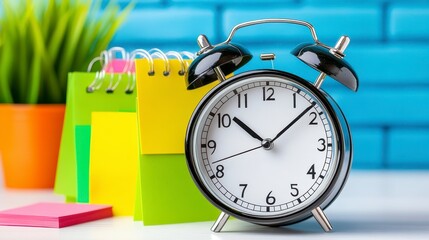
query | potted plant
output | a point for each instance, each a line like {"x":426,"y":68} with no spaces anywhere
{"x":40,"y":42}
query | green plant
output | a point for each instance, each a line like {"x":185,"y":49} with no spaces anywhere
{"x":41,"y":41}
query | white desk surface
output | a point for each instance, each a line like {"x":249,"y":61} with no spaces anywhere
{"x":373,"y":205}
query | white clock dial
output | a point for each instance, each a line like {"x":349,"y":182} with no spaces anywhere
{"x":266,"y":146}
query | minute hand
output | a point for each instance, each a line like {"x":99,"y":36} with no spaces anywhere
{"x":294,"y":121}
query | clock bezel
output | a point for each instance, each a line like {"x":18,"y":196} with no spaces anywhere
{"x":344,"y":147}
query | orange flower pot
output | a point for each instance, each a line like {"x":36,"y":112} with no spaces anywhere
{"x":29,"y":143}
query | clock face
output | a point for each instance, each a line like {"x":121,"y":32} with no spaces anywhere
{"x":264,"y":146}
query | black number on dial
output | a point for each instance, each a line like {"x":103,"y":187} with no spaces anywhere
{"x":311,"y":172}
{"x":322,"y":141}
{"x":270,"y":199}
{"x":219,"y":171}
{"x":294,"y":188}
{"x":240,"y":100}
{"x":267,"y":94}
{"x":294,"y":100}
{"x":212,"y":145}
{"x":313,"y":121}
{"x":244,"y":189}
{"x":223,"y":120}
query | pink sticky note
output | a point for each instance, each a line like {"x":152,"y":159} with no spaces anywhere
{"x":119,"y":66}
{"x":54,"y":215}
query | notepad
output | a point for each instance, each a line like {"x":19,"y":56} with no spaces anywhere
{"x":54,"y":215}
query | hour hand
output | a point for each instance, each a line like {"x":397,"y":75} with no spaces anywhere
{"x":247,"y":129}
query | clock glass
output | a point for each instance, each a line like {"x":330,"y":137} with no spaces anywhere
{"x":263,"y":146}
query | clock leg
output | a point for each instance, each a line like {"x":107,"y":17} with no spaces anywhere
{"x":321,"y":218}
{"x":220,"y":222}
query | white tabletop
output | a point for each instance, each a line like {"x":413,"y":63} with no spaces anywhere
{"x":373,"y":205}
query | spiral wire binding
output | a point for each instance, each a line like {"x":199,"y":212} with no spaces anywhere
{"x":180,"y":58}
{"x":130,"y":64}
{"x":188,"y":55}
{"x":107,"y":57}
{"x":112,"y":55}
{"x":99,"y":76}
{"x":155,"y":52}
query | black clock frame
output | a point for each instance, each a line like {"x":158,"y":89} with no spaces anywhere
{"x":344,"y":145}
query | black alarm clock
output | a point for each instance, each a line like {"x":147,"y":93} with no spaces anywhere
{"x":267,"y":146}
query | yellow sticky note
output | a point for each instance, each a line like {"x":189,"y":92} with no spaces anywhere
{"x":165,"y":106}
{"x":114,"y":155}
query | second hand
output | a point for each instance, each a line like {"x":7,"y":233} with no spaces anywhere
{"x":253,"y":134}
{"x":249,"y":150}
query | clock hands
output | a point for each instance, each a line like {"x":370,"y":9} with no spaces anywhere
{"x":294,"y":121}
{"x":247,"y":129}
{"x":251,"y":133}
{"x":265,"y":143}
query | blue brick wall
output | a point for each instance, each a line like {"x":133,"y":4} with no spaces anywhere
{"x":389,"y":50}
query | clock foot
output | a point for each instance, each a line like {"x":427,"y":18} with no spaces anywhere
{"x":321,"y":218}
{"x":220,"y":222}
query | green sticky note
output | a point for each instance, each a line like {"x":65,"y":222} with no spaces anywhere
{"x":169,"y":194}
{"x":83,"y":141}
{"x":100,"y":101}
{"x":65,"y":181}
{"x":138,"y":208}
{"x":70,"y":199}
{"x":72,"y":173}
{"x":97,"y":101}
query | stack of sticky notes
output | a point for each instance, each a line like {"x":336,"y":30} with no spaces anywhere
{"x":54,"y":215}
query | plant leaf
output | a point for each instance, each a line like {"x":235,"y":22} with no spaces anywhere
{"x":78,"y":20}
{"x":48,"y":19}
{"x":5,"y":74}
{"x":40,"y":42}
{"x":116,"y":23}
{"x":35,"y":73}
{"x":51,"y":79}
{"x":21,"y":74}
{"x":89,"y":36}
{"x":58,"y":36}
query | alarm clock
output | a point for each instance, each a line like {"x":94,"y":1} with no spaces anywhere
{"x":266,"y":146}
